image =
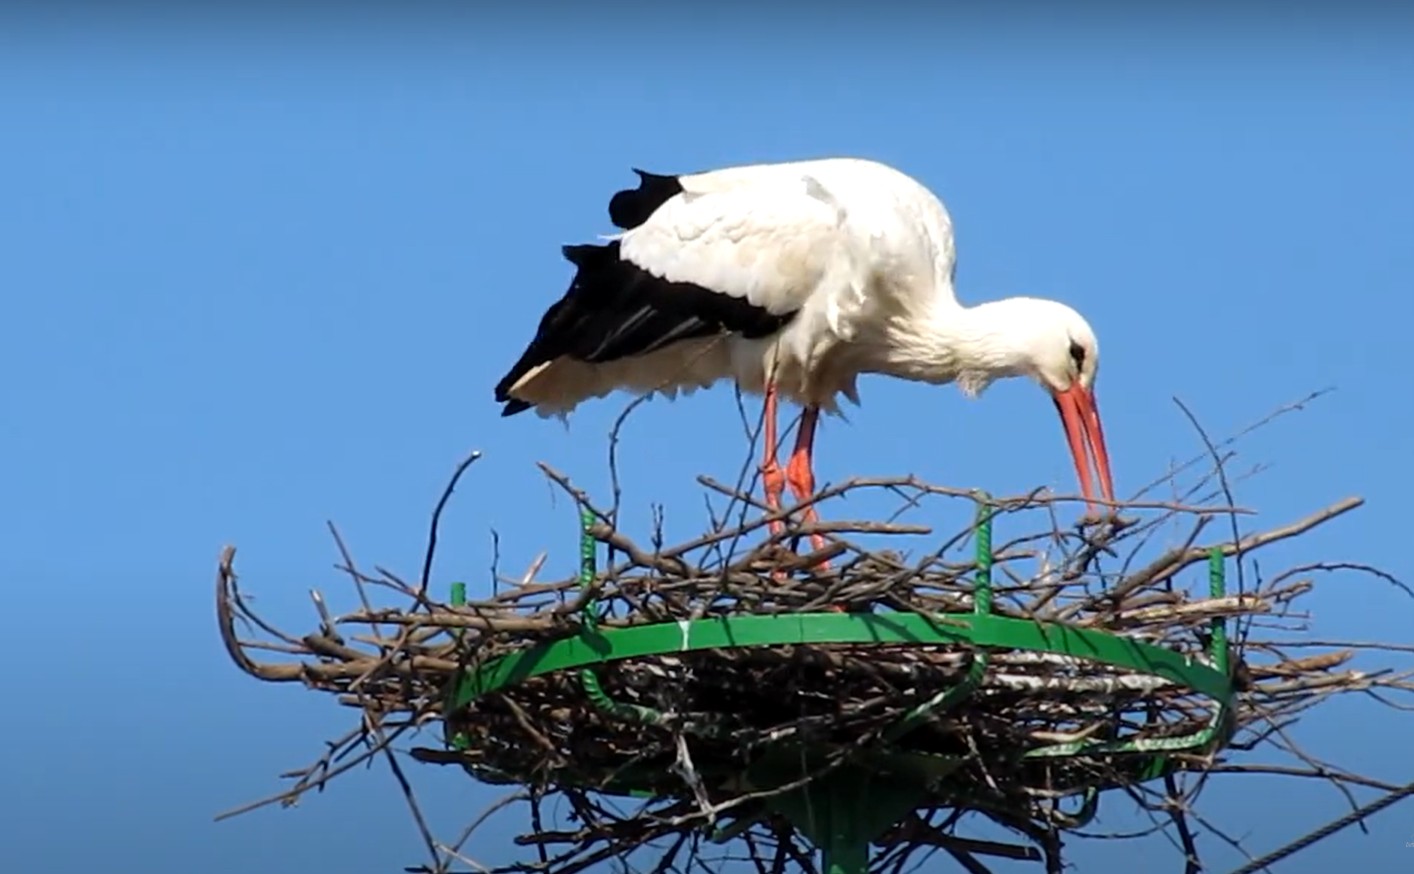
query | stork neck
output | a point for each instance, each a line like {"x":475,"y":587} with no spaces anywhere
{"x":971,"y":345}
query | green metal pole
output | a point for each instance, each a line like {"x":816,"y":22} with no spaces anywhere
{"x":982,"y":594}
{"x":588,"y":549}
{"x":458,"y":600}
{"x":1217,"y":588}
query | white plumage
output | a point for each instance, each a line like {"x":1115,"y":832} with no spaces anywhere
{"x":793,"y":279}
{"x":812,"y":238}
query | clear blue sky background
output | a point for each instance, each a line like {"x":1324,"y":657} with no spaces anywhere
{"x":257,"y":272}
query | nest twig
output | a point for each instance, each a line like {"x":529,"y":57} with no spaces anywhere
{"x":691,"y":727}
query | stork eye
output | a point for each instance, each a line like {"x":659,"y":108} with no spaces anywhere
{"x":1077,"y":354}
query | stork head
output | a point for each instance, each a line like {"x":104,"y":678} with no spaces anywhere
{"x":1047,"y":341}
{"x":1059,"y":350}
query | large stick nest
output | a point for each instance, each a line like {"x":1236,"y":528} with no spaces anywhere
{"x":696,"y":728}
{"x":739,"y":704}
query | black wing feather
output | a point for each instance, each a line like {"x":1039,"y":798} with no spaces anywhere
{"x":631,"y":207}
{"x":615,"y":309}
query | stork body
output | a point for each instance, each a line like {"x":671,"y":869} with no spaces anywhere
{"x":792,"y":279}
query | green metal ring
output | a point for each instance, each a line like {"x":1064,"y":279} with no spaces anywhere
{"x":605,"y":645}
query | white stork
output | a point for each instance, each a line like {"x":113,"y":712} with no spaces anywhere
{"x":792,"y":279}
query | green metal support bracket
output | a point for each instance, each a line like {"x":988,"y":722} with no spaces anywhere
{"x":588,"y":569}
{"x":456,"y":740}
{"x":1217,"y":729}
{"x":588,"y":679}
{"x":842,"y":812}
{"x":981,"y":605}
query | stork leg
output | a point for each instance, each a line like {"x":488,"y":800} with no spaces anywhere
{"x":773,"y":479}
{"x":800,"y":473}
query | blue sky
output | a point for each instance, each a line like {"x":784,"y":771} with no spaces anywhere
{"x":260,"y":273}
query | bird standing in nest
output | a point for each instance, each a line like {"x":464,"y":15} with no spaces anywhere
{"x":792,"y":279}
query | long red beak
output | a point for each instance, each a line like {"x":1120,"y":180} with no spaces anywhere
{"x":1081,"y":418}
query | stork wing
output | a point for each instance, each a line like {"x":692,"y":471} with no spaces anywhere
{"x":738,"y":260}
{"x":770,"y":244}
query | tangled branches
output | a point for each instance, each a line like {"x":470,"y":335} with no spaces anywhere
{"x":726,"y":743}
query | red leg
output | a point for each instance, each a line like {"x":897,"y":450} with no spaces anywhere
{"x":773,"y":479}
{"x":801,"y":475}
